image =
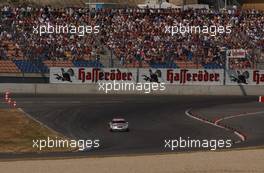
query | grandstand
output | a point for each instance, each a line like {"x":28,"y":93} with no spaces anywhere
{"x":253,"y":4}
{"x":133,"y":38}
{"x":245,"y":4}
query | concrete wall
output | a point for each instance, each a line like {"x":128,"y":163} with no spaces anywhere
{"x":18,"y":88}
{"x":25,"y":75}
{"x":93,"y":89}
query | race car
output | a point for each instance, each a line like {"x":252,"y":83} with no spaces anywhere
{"x":118,"y":124}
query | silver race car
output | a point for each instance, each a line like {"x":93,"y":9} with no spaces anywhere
{"x":118,"y":124}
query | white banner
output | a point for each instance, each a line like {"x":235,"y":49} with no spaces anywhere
{"x":79,"y":75}
{"x":236,"y":53}
{"x":182,"y":76}
{"x":245,"y":77}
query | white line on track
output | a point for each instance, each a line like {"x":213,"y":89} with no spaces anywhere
{"x":187,"y":112}
{"x":240,"y":135}
{"x":34,"y":119}
{"x":238,"y":115}
{"x":66,"y":102}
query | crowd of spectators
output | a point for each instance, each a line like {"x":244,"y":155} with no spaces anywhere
{"x":17,"y":26}
{"x":132,"y":34}
{"x":139,"y":34}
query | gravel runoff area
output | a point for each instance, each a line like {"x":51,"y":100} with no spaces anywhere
{"x":243,"y":161}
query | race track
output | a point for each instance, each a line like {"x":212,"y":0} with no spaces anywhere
{"x":152,"y":119}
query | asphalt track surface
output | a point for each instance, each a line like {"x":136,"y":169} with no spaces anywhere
{"x":152,"y":119}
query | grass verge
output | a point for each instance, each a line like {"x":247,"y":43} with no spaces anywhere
{"x":17,"y":132}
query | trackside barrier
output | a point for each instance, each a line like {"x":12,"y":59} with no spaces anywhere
{"x":82,"y":75}
{"x":6,"y":96}
{"x":93,"y":89}
{"x":261,"y":99}
{"x":8,"y":99}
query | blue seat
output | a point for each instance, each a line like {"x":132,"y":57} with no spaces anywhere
{"x":26,"y":66}
{"x":83,"y":63}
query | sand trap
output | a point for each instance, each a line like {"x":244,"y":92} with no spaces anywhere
{"x":245,"y":161}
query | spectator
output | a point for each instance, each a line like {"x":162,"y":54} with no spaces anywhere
{"x":133,"y":35}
